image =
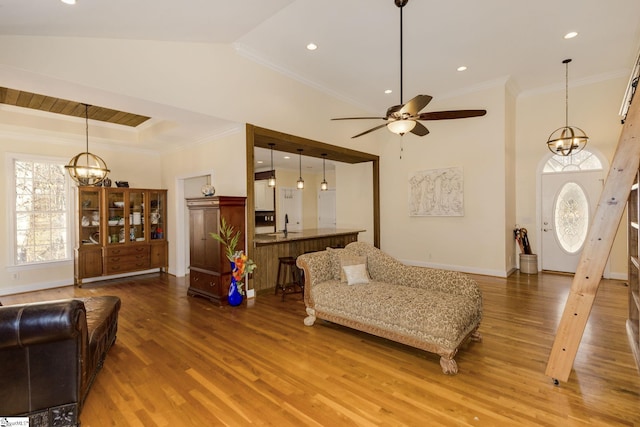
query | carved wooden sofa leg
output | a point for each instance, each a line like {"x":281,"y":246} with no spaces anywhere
{"x":449,"y":366}
{"x":476,"y":336}
{"x":311,"y":318}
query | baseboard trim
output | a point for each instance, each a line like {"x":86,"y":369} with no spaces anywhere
{"x":460,"y":268}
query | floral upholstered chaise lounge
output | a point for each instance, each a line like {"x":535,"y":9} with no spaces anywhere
{"x":363,"y":288}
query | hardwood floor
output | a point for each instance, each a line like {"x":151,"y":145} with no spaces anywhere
{"x":181,"y":361}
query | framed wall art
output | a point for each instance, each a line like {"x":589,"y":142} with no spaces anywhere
{"x":437,"y":192}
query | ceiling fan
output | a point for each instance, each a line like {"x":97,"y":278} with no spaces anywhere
{"x":404,"y":118}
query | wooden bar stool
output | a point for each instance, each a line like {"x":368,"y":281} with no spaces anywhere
{"x":287,"y":268}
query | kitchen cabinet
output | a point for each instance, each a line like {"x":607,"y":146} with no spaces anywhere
{"x":120,"y":230}
{"x":263,"y":196}
{"x":210,"y":270}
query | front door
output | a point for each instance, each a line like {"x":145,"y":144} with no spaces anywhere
{"x":569,"y":201}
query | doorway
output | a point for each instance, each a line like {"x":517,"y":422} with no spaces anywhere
{"x":262,"y":137}
{"x":570,"y":191}
{"x":327,"y":209}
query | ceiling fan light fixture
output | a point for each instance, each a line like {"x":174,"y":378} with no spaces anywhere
{"x":567,"y":140}
{"x":404,"y":117}
{"x":401,"y":127}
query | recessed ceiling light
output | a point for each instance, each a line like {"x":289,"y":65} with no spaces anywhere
{"x":388,"y":91}
{"x":259,"y":162}
{"x":68,"y":1}
{"x":570,"y":35}
{"x":287,"y":157}
{"x":312,"y":46}
{"x":461,"y":68}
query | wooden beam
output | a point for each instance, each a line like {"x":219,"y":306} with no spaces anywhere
{"x":597,"y":248}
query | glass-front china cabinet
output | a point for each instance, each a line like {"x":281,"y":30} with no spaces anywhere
{"x":120,"y":230}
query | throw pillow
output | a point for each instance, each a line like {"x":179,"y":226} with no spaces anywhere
{"x":356,"y":274}
{"x":350,"y":259}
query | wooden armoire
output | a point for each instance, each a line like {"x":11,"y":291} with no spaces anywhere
{"x":210,"y":270}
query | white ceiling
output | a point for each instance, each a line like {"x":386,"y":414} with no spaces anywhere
{"x":358,"y":55}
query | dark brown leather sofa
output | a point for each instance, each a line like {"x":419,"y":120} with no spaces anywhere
{"x":50,"y":353}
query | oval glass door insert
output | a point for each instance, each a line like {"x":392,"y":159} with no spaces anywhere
{"x":571,"y":217}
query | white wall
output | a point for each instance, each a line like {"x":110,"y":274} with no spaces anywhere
{"x":23,"y":133}
{"x":212,"y":80}
{"x":475,"y":241}
{"x":354,"y":198}
{"x":593,"y":106}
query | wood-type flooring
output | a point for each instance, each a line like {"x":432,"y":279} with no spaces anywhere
{"x":182,"y":361}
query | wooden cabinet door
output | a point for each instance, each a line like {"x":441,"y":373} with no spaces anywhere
{"x":88,"y":263}
{"x":212,"y":248}
{"x":204,"y":249}
{"x":196,"y":237}
{"x":158,"y":257}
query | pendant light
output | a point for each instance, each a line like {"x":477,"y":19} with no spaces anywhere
{"x":272,"y":178}
{"x":567,"y":140}
{"x":324,"y":186}
{"x":86,"y":168}
{"x":300,"y":180}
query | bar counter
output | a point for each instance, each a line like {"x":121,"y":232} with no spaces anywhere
{"x":269,"y":247}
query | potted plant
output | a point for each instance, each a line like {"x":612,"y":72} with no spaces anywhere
{"x":241,"y":265}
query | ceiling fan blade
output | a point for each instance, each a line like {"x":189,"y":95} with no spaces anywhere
{"x":360,"y":118}
{"x":419,"y":129}
{"x":415,"y":105}
{"x":370,"y":130}
{"x":454,"y":114}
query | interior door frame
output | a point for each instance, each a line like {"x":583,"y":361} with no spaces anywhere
{"x":261,"y":137}
{"x":543,"y":161}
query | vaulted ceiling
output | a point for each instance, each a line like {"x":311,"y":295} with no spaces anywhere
{"x":357,"y":58}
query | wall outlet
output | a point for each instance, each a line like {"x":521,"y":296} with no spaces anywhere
{"x":15,"y":276}
{"x":251,"y":293}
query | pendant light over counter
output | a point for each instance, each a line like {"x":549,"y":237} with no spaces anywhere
{"x":272,"y":179}
{"x":87,"y":168}
{"x":567,"y":140}
{"x":324,"y":186}
{"x":300,"y":180}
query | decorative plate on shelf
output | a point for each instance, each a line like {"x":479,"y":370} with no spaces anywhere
{"x":95,"y":238}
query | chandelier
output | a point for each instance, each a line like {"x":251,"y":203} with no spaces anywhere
{"x":87,"y":168}
{"x":567,"y":140}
